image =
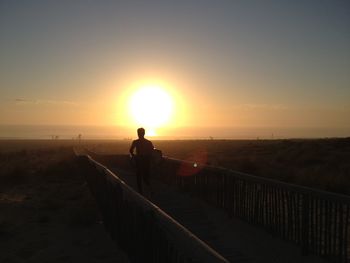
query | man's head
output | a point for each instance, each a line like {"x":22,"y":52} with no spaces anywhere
{"x":141,"y":132}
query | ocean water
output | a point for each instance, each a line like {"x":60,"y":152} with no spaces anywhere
{"x":48,"y":132}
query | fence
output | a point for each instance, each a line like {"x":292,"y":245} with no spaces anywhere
{"x":316,"y":220}
{"x":141,"y":229}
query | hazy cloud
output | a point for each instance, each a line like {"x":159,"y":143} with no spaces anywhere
{"x":44,"y":102}
{"x":264,"y":106}
{"x":24,"y":101}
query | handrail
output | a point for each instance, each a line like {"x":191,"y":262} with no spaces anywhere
{"x":316,"y":220}
{"x":264,"y":180}
{"x":141,"y":228}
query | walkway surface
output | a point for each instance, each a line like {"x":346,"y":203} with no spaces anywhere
{"x":234,"y":239}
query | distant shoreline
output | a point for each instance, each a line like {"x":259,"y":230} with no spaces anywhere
{"x":175,"y":139}
{"x":90,"y":132}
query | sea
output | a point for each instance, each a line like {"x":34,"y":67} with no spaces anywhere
{"x":56,"y":132}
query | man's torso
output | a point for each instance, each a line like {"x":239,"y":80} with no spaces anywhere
{"x":143,"y":147}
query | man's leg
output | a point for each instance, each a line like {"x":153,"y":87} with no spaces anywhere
{"x":147,"y":175}
{"x":147,"y":171}
{"x":139,"y":182}
{"x":139,"y":175}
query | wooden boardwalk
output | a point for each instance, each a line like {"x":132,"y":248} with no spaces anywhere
{"x":234,"y":239}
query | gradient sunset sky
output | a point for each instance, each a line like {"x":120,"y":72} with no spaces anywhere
{"x":244,"y":64}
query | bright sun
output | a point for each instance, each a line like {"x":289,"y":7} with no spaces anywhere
{"x":151,"y":106}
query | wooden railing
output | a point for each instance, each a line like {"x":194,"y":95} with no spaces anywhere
{"x":140,"y":228}
{"x":316,"y":220}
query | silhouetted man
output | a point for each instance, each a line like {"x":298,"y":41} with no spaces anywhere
{"x":144,"y":150}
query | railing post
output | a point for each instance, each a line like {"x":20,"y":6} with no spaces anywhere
{"x":305,"y":227}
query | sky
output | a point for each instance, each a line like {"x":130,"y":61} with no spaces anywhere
{"x":273,"y":65}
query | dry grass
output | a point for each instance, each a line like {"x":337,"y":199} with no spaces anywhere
{"x":47,"y":212}
{"x":320,"y":164}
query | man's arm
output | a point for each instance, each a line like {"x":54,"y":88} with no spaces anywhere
{"x":132,"y":147}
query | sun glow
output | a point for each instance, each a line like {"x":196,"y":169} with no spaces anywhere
{"x":151,"y":107}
